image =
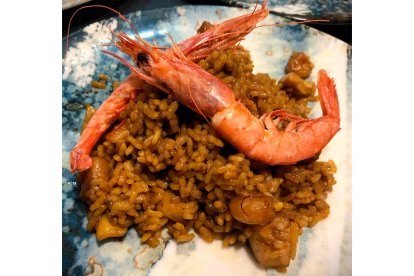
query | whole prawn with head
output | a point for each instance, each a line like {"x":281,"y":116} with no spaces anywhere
{"x":261,"y":140}
{"x":217,"y":37}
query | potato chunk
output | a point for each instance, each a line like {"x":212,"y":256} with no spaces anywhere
{"x":176,"y":210}
{"x":272,"y":243}
{"x":298,"y":86}
{"x":299,"y":64}
{"x":105,"y":229}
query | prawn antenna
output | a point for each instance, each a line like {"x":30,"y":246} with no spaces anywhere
{"x":94,"y":6}
{"x":198,"y":109}
{"x":176,"y":50}
{"x":255,"y":8}
{"x":293,"y":22}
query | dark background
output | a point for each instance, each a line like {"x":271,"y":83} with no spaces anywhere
{"x":342,"y":31}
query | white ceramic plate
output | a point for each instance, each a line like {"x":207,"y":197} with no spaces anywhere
{"x":337,"y":11}
{"x":322,"y":250}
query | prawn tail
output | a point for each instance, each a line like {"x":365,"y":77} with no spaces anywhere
{"x":327,"y":95}
{"x":79,"y":161}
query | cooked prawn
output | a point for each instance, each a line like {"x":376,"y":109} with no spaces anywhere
{"x":101,"y":120}
{"x":262,"y":141}
{"x":218,"y":37}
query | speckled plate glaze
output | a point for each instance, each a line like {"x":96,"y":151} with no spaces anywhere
{"x":323,"y":250}
{"x":337,"y":11}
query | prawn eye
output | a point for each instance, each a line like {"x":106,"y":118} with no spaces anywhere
{"x":142,"y":58}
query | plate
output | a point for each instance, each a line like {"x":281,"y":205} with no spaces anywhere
{"x":67,"y":4}
{"x":337,"y":11}
{"x":323,"y":250}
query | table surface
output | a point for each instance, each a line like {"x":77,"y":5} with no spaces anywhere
{"x":341,"y":31}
